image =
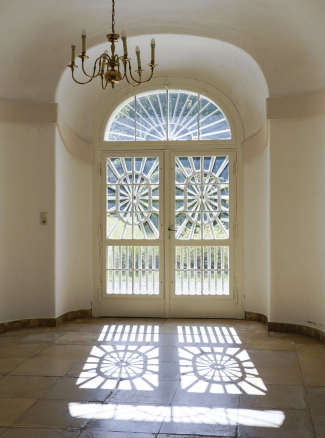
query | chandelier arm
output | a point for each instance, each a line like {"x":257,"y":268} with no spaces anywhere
{"x":130,"y":83}
{"x":130,"y":71}
{"x":104,"y":88}
{"x":140,"y":82}
{"x":81,"y":83}
{"x":93,"y":76}
{"x":124,"y":65}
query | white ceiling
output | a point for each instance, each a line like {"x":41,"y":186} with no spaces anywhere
{"x":285,"y":38}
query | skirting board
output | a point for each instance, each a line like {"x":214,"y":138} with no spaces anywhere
{"x":87,"y":313}
{"x":44,"y":322}
{"x":285,"y":327}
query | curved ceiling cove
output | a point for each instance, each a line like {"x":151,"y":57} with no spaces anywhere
{"x":284,"y":37}
{"x":230,"y":70}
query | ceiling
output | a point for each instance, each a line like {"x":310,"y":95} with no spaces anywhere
{"x":275,"y":47}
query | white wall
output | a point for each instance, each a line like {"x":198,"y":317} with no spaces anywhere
{"x":297,"y":211}
{"x":256,"y":233}
{"x":27,"y":154}
{"x":73,"y":242}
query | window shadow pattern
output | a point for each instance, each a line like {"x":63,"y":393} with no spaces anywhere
{"x":208,"y":369}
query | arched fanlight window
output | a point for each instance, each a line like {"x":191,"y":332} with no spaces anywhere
{"x":168,"y":115}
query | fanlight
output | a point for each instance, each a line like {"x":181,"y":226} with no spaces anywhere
{"x":168,"y":115}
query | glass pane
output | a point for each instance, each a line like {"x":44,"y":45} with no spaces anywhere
{"x":122,"y":127}
{"x":146,"y":170}
{"x":124,"y":277}
{"x":119,"y":282}
{"x":215,"y":225}
{"x":119,"y":226}
{"x":213,"y":123}
{"x":151,"y":117}
{"x":146,"y":225}
{"x":183,"y":115}
{"x":201,"y":194}
{"x":211,"y":272}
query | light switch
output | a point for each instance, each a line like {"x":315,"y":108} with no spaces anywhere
{"x":43,"y":218}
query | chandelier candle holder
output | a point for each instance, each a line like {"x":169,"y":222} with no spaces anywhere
{"x":108,"y":67}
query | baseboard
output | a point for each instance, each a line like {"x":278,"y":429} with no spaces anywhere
{"x":259,"y":317}
{"x":296,"y":328}
{"x":44,"y":322}
{"x":285,"y":327}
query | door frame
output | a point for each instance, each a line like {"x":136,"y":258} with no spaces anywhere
{"x":234,"y":144}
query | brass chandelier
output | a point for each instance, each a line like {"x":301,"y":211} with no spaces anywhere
{"x":108,"y":67}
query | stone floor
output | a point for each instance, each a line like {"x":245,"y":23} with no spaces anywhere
{"x":150,"y":378}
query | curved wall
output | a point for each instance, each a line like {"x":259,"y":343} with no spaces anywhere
{"x":284,"y":244}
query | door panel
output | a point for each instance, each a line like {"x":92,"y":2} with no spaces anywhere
{"x":201,"y":236}
{"x":133,"y":244}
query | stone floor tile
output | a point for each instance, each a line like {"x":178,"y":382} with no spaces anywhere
{"x":171,"y":340}
{"x":30,"y":432}
{"x":207,"y":398}
{"x":57,"y":413}
{"x":2,"y":430}
{"x":277,"y":375}
{"x":274,"y":397}
{"x":80,"y":389}
{"x":103,"y":434}
{"x":165,"y":370}
{"x":83,"y":366}
{"x":144,"y":391}
{"x":129,"y":417}
{"x":12,"y":408}
{"x":8,"y":364}
{"x":77,"y":338}
{"x":65,"y":351}
{"x":21,"y":350}
{"x":37,"y":337}
{"x":316,"y":401}
{"x":312,"y":362}
{"x":168,"y":354}
{"x":270,"y":344}
{"x":25,"y":386}
{"x":163,"y":435}
{"x":44,"y":367}
{"x":296,"y":338}
{"x":273,"y":357}
{"x":200,"y":420}
{"x":285,"y":424}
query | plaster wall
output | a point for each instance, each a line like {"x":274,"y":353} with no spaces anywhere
{"x":297,"y":210}
{"x":27,"y":187}
{"x":256,"y":233}
{"x":73,"y":232}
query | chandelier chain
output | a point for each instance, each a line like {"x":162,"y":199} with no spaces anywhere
{"x":113,"y":16}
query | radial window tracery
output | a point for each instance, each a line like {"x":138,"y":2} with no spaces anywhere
{"x":168,"y":115}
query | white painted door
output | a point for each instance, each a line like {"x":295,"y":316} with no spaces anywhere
{"x":133,"y":235}
{"x":201,"y":235}
{"x":168,"y":237}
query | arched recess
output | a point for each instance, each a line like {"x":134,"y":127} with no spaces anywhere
{"x":232,"y":145}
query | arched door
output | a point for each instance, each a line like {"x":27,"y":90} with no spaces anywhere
{"x":168,"y":210}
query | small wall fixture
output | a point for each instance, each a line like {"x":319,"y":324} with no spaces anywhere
{"x":108,"y":67}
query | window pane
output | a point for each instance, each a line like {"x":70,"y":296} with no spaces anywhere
{"x":213,"y":123}
{"x":122,"y":127}
{"x":151,"y":117}
{"x":183,"y":116}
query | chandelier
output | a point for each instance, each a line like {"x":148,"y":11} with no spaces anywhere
{"x":108,"y":67}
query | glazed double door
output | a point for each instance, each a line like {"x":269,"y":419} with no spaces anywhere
{"x":168,"y":223}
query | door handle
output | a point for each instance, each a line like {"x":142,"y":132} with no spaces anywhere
{"x":170,"y":229}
